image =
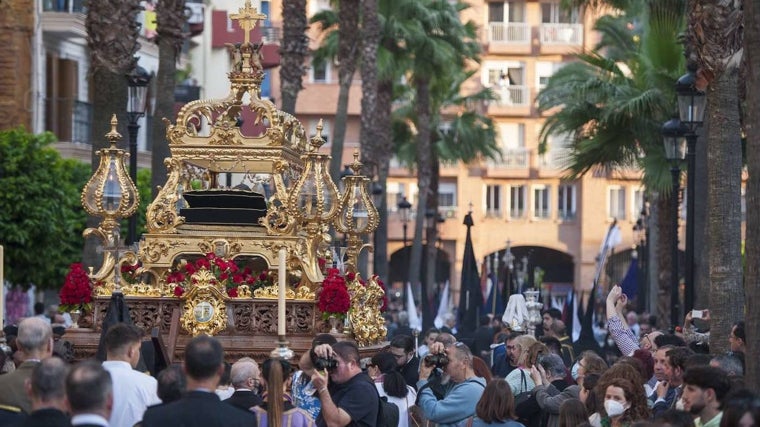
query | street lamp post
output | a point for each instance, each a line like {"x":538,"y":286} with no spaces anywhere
{"x":691,"y":108}
{"x":137,"y":100}
{"x":673,"y":132}
{"x":403,"y":208}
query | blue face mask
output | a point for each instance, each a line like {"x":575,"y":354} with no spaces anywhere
{"x":574,"y":371}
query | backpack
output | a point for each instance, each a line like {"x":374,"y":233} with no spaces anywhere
{"x":387,"y":413}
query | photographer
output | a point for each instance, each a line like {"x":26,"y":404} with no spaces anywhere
{"x":460,"y":399}
{"x":347,"y":395}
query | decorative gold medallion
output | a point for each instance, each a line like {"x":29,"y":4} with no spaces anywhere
{"x":205,"y":310}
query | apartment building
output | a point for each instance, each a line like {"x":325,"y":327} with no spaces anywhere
{"x":520,"y":202}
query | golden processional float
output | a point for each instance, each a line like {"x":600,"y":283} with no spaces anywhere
{"x":244,"y":265}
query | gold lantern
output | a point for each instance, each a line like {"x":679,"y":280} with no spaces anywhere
{"x":314,"y":201}
{"x":358,"y":215}
{"x":111,"y":195}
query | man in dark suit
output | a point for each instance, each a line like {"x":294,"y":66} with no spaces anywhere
{"x":90,"y":393}
{"x":35,"y":342}
{"x":407,"y":361}
{"x":204,"y":364}
{"x":47,"y":391}
{"x":245,"y":378}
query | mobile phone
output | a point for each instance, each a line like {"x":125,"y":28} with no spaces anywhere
{"x":696,"y":314}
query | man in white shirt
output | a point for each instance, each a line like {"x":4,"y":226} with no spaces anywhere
{"x":133,"y":391}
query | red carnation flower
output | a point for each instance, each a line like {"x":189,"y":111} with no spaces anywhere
{"x":232,"y":292}
{"x":178,"y":291}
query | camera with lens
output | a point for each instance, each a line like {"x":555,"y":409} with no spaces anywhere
{"x":324,"y":363}
{"x":439,"y":360}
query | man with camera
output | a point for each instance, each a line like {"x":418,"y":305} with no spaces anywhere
{"x":347,"y":395}
{"x":458,"y":402}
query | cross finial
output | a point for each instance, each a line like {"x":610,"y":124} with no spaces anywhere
{"x":248,"y":17}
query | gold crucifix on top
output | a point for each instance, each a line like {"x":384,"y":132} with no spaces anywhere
{"x":248,"y":17}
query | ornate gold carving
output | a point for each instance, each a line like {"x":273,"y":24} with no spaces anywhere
{"x":272,"y":292}
{"x":161,"y":215}
{"x":304,"y":293}
{"x":204,"y":310}
{"x":154,"y":250}
{"x":367,"y":323}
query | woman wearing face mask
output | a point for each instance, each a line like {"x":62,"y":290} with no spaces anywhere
{"x":624,"y":403}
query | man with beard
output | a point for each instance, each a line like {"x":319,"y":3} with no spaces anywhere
{"x":503,"y":362}
{"x":704,"y":390}
{"x":407,"y":361}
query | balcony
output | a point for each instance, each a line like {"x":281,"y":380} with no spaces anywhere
{"x":558,"y":38}
{"x":512,"y":159}
{"x":64,"y":18}
{"x":508,"y":37}
{"x":513,"y":100}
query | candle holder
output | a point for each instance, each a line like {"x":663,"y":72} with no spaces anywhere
{"x":357,"y":214}
{"x":282,"y":351}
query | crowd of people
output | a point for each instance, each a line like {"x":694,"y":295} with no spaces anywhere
{"x":502,"y":378}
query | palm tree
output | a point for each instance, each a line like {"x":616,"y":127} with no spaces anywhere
{"x":373,"y":135}
{"x":714,"y":43}
{"x":345,"y":28}
{"x":294,"y":47}
{"x":613,"y":105}
{"x":458,"y":132}
{"x":752,"y":245}
{"x":170,"y":16}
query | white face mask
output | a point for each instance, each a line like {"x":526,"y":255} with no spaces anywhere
{"x":574,"y":371}
{"x":614,"y":408}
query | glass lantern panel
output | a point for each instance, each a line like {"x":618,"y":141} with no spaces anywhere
{"x":111,"y":188}
{"x":359,"y":212}
{"x":307,"y":196}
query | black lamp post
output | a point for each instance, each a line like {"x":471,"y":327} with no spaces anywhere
{"x":403,"y":207}
{"x":691,"y":108}
{"x":673,"y":132}
{"x":137,"y":100}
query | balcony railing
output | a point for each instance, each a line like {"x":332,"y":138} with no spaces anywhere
{"x":512,"y":96}
{"x":562,"y":34}
{"x":69,"y":119}
{"x":508,"y":32}
{"x":66,"y":6}
{"x":270,"y":35}
{"x":512,"y":158}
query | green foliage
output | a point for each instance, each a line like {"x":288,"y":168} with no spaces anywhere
{"x":41,"y":217}
{"x":611,"y":103}
{"x":146,"y":197}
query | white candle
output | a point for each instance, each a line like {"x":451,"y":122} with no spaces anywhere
{"x":281,"y":295}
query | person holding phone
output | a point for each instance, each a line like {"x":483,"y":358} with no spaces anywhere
{"x":690,"y":332}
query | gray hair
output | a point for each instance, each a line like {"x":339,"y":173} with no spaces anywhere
{"x":553,"y":365}
{"x":242,"y":370}
{"x":34,"y":334}
{"x":48,"y":380}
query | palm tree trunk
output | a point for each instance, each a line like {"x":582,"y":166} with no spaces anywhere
{"x":724,"y":207}
{"x":348,"y":43}
{"x":294,"y":48}
{"x":664,"y":257}
{"x":424,"y":176}
{"x":752,"y":132}
{"x":170,"y":15}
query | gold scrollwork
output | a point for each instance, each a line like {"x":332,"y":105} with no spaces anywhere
{"x":153,"y":250}
{"x":205,"y":310}
{"x":367,"y":323}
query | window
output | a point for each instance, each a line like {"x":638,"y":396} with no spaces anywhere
{"x":554,"y":13}
{"x":493,"y":200}
{"x":517,"y":196}
{"x":447,"y":192}
{"x":320,"y":72}
{"x":512,"y":135}
{"x":513,"y":11}
{"x":505,"y":74}
{"x":566,"y":201}
{"x":318,"y":6}
{"x":541,"y":201}
{"x":616,"y":202}
{"x":544,"y":70}
{"x":638,"y":203}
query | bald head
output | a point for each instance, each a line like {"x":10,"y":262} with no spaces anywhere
{"x":35,"y":338}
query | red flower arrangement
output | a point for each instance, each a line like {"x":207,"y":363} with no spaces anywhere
{"x":334,"y":299}
{"x":226,"y":272}
{"x":129,"y":273}
{"x":76,"y":292}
